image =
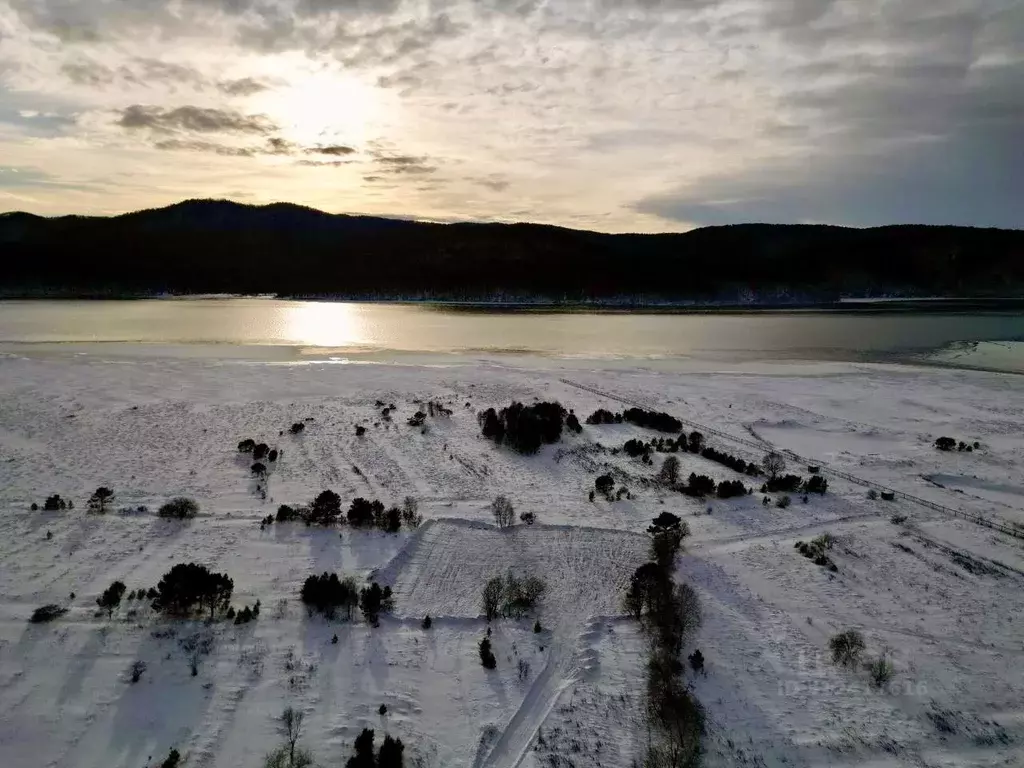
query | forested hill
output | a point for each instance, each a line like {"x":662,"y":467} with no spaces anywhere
{"x":216,"y":246}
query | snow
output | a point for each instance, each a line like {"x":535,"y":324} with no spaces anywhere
{"x":943,"y":596}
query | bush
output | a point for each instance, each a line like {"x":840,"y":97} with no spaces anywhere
{"x":728,"y":489}
{"x":393,"y":520}
{"x":54,"y":503}
{"x":898,"y":519}
{"x":373,"y":600}
{"x":604,"y":484}
{"x":297,"y":427}
{"x":111,"y":597}
{"x":881,"y":670}
{"x":246,"y":445}
{"x":601,"y":416}
{"x":783,"y":502}
{"x":259,"y":469}
{"x":847,"y":646}
{"x":725,"y":459}
{"x":364,"y":757}
{"x":100,"y":498}
{"x":696,"y":660}
{"x":363,"y":513}
{"x":634,"y":448}
{"x":172,"y":761}
{"x":272,"y":456}
{"x":945,"y":443}
{"x":700,"y":485}
{"x":528,"y":517}
{"x":260,"y":451}
{"x":487,"y":655}
{"x":427,"y":622}
{"x":187,"y":585}
{"x":410,"y":514}
{"x":787,"y":483}
{"x":179,"y":508}
{"x":520,"y":596}
{"x":816,"y":484}
{"x":325,"y":509}
{"x":286,"y":514}
{"x":524,"y":428}
{"x":326,"y":593}
{"x":135,"y":671}
{"x":503,"y":511}
{"x":391,"y":752}
{"x":360,"y":431}
{"x":537,"y":629}
{"x":47,"y":612}
{"x":661,"y":422}
{"x":572,"y":423}
{"x":872,"y":494}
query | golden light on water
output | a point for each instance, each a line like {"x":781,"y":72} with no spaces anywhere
{"x":318,"y":324}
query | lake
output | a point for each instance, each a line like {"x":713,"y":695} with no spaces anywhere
{"x":976,"y":339}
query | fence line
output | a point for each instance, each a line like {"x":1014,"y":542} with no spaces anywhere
{"x":974,"y":517}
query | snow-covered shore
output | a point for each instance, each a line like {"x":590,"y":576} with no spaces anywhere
{"x":943,"y":595}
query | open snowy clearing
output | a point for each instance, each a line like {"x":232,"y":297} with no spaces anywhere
{"x":943,"y":595}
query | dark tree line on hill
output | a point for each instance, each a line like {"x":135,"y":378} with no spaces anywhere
{"x":217,"y":246}
{"x":526,"y":427}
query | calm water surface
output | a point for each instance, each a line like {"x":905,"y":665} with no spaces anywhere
{"x":349,"y":328}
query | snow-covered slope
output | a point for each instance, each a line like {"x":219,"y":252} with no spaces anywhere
{"x":942,"y":595}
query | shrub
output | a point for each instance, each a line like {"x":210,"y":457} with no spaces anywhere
{"x":825,"y":541}
{"x":187,"y":585}
{"x":601,"y":416}
{"x":172,"y":761}
{"x":634,"y":448}
{"x":537,"y":629}
{"x":604,"y":484}
{"x":417,"y":419}
{"x":661,"y":422}
{"x":135,"y":671}
{"x":360,"y":431}
{"x":700,"y":485}
{"x":246,"y":445}
{"x":373,"y":600}
{"x":179,"y":508}
{"x":297,"y":427}
{"x":898,"y":519}
{"x":111,"y":597}
{"x":881,"y":670}
{"x":99,"y":499}
{"x":783,"y":502}
{"x":325,"y":509}
{"x":696,"y":660}
{"x":259,"y":469}
{"x":47,"y":612}
{"x":54,"y":503}
{"x":669,"y":473}
{"x":872,"y":494}
{"x":846,"y":646}
{"x":725,"y":459}
{"x":503,"y":511}
{"x":272,"y":456}
{"x":520,"y":596}
{"x":945,"y":443}
{"x":286,"y":514}
{"x":524,"y":427}
{"x":260,"y":451}
{"x":573,"y":424}
{"x":528,"y":517}
{"x":34,"y":507}
{"x":728,"y":489}
{"x":326,"y":593}
{"x":816,"y":484}
{"x":787,"y":483}
{"x":773,"y":463}
{"x":487,"y":655}
{"x":427,"y":622}
{"x":392,"y":522}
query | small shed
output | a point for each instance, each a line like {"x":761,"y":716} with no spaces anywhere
{"x":888,"y":496}
{"x":814,"y":469}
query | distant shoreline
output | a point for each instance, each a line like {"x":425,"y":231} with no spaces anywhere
{"x":851,"y":305}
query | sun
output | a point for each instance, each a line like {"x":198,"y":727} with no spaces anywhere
{"x":324,"y":107}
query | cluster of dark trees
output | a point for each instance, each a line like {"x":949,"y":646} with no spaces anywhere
{"x":111,"y":597}
{"x":949,"y":443}
{"x":55,"y":503}
{"x":795,"y":483}
{"x":390,"y":755}
{"x":601,"y":416}
{"x":661,"y":422}
{"x":179,"y":508}
{"x":512,"y":596}
{"x":245,"y":615}
{"x":815,"y":550}
{"x":325,"y":509}
{"x":669,"y":613}
{"x":326,"y":594}
{"x":526,"y":427}
{"x":732,"y":462}
{"x":210,"y":246}
{"x":188,"y":585}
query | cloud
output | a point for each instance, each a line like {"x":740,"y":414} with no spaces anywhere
{"x":399,"y":164}
{"x":331,"y":150}
{"x":194,"y":119}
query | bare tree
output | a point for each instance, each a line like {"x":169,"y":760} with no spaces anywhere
{"x":504,"y":513}
{"x":494,"y":590}
{"x":773,"y":463}
{"x":669,"y":474}
{"x":291,"y":724}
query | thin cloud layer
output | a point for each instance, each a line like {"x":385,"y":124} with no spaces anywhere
{"x":613,"y":114}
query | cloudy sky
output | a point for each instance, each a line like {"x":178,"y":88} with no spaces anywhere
{"x":617,"y":115}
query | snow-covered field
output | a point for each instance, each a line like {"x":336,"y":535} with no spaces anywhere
{"x":944,"y":596}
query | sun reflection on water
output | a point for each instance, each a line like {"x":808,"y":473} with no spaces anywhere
{"x":317,"y":324}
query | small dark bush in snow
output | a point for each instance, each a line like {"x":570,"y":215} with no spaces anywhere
{"x":297,"y":427}
{"x":427,"y":622}
{"x":180,"y":508}
{"x":246,"y":445}
{"x":487,"y":655}
{"x":46,"y":613}
{"x":99,"y":499}
{"x":846,"y":646}
{"x":260,"y":451}
{"x":111,"y":597}
{"x":54,"y":503}
{"x":945,"y":443}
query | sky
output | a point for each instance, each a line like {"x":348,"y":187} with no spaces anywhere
{"x":614,"y":115}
